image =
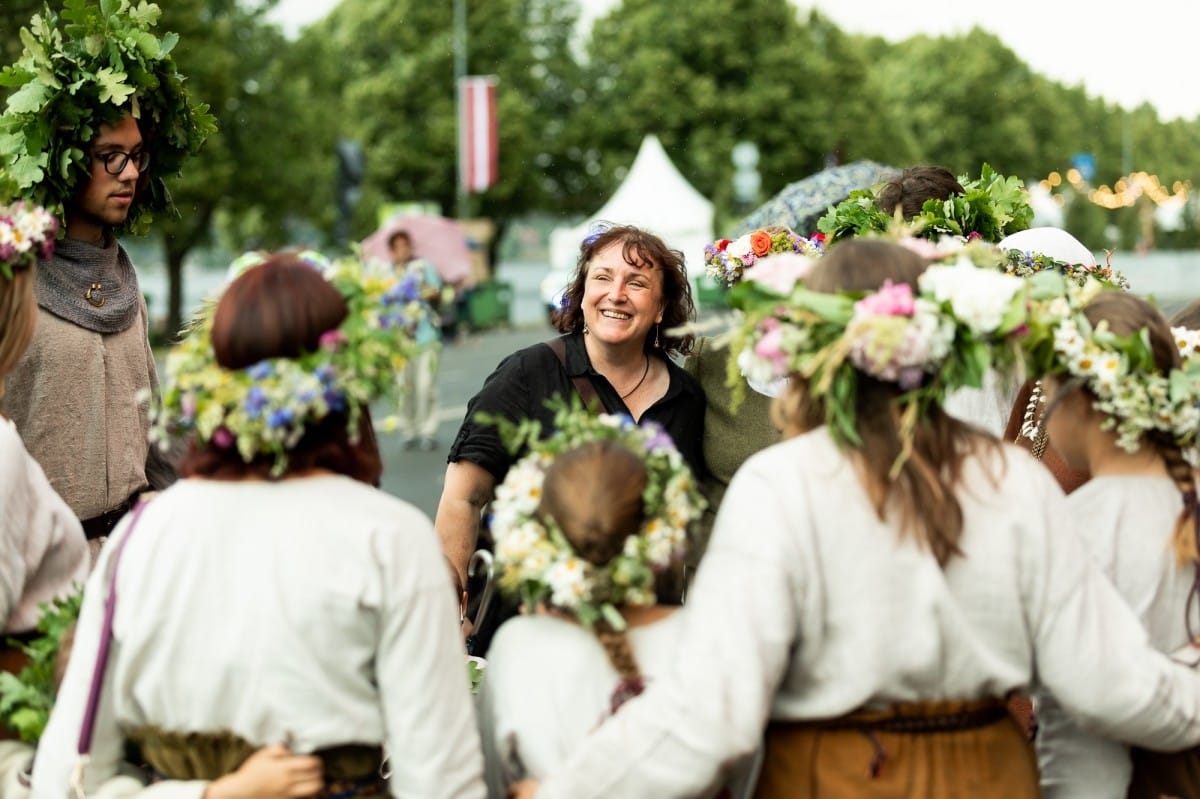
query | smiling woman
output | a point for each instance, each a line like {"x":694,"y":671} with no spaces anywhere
{"x":619,"y":322}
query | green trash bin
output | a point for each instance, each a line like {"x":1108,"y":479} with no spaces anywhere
{"x":489,"y":304}
{"x":710,"y":292}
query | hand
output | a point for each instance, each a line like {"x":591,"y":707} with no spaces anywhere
{"x":525,"y":789}
{"x":272,"y":772}
{"x":468,"y":627}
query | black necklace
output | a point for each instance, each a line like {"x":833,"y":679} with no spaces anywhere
{"x":645,"y":372}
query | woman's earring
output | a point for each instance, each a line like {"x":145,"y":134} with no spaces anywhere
{"x":585,"y":329}
{"x":656,"y":329}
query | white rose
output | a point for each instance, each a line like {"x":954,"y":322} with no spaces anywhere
{"x":739,"y":248}
{"x":979,"y":297}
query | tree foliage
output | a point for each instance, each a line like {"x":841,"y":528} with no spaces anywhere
{"x":14,"y":14}
{"x":396,"y":60}
{"x":572,"y":111}
{"x":707,"y":79}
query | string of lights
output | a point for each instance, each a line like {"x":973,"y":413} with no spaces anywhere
{"x":1124,"y":193}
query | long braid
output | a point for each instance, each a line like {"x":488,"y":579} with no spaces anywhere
{"x":1186,"y":548}
{"x":594,"y":493}
{"x":620,"y":655}
{"x":1187,"y":526}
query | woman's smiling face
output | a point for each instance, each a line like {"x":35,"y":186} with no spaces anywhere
{"x":621,"y":301}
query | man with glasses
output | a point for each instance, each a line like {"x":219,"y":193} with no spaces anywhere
{"x":79,"y":397}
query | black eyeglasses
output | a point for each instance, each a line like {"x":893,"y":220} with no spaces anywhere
{"x":115,"y":162}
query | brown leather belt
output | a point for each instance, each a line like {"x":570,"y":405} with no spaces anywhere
{"x":919,"y":724}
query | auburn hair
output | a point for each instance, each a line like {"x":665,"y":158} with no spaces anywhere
{"x":279,"y":309}
{"x":644,"y":250}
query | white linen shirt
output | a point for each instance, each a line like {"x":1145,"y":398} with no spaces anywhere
{"x":548,"y":683}
{"x":43,"y":553}
{"x":316,"y":611}
{"x":1127,"y":524}
{"x":807,"y":606}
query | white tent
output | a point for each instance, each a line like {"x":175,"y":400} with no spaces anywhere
{"x":655,"y":197}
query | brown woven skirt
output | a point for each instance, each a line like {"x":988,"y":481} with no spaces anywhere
{"x":926,"y":749}
{"x":351,"y":772}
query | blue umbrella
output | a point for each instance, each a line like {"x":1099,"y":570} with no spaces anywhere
{"x":801,"y":204}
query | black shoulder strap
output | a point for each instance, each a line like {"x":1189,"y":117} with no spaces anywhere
{"x":583,"y":383}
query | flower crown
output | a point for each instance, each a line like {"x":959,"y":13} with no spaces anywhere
{"x":536,"y":562}
{"x":990,"y":207}
{"x":725,"y":260}
{"x":1025,"y":263}
{"x":80,"y":69}
{"x":264,"y":409}
{"x":1119,"y":371}
{"x":27,"y":234}
{"x":965,"y":317}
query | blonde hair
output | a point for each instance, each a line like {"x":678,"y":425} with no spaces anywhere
{"x":594,"y":494}
{"x":18,"y":309}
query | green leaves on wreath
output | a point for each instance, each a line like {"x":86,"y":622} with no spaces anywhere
{"x":86,"y":66}
{"x":27,"y":698}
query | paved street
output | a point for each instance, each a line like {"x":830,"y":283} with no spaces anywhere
{"x":417,"y":476}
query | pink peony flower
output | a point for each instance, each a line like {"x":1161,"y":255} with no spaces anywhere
{"x":890,"y":300}
{"x":222,"y":438}
{"x":780,"y":273}
{"x":331,"y":340}
{"x":770,"y":346}
{"x":923,"y":247}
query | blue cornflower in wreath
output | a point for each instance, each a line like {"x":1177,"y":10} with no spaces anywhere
{"x":265,"y":408}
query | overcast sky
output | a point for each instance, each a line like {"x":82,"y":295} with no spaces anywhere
{"x":1126,"y":52}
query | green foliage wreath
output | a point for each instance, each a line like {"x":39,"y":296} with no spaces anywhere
{"x":91,"y":65}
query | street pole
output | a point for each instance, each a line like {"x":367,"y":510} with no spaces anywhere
{"x":460,"y":72}
{"x":1126,"y":145}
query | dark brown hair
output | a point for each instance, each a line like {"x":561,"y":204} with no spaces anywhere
{"x":594,"y":494}
{"x":914,"y":187}
{"x":1188,"y":317}
{"x":645,"y":251}
{"x":924,"y":490}
{"x":399,"y":234}
{"x":279,"y":309}
{"x":1127,"y":315}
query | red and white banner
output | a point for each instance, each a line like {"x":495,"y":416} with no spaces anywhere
{"x":478,"y":147}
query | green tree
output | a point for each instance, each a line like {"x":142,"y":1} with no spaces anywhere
{"x":14,"y":15}
{"x":706,"y":79}
{"x":961,"y":101}
{"x":398,"y":99}
{"x":247,"y":173}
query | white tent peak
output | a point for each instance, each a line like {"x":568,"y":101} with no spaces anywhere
{"x":654,"y":196}
{"x":652,"y":178}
